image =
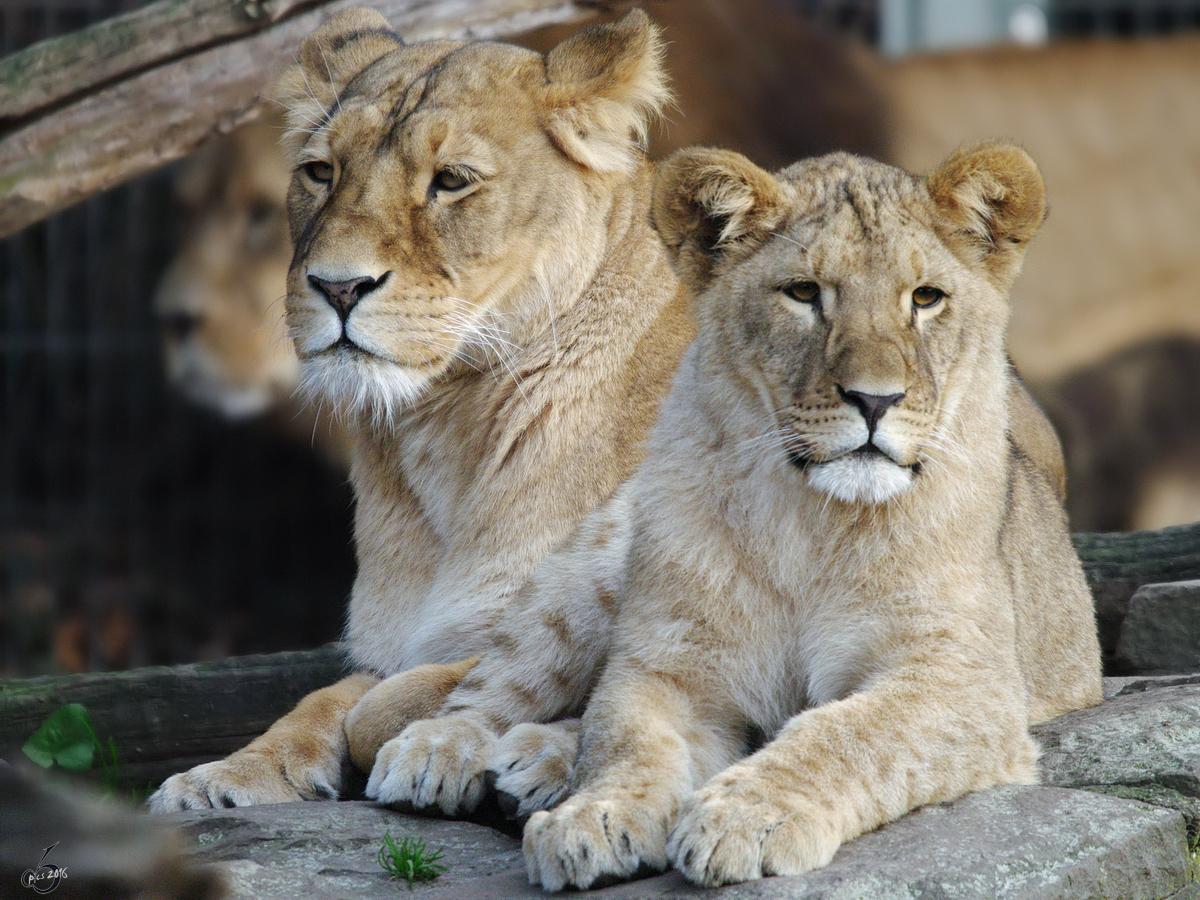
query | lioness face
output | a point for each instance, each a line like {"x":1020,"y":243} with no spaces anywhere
{"x":433,"y":204}
{"x":850,"y":302}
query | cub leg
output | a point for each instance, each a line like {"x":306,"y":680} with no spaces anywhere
{"x":645,"y":748}
{"x":298,"y":758}
{"x":532,"y":766}
{"x":938,"y":727}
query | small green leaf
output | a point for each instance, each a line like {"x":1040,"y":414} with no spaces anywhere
{"x":38,"y":754}
{"x":66,"y":737}
{"x":76,"y":757}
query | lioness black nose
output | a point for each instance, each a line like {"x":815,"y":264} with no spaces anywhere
{"x":343,"y":296}
{"x":872,"y":406}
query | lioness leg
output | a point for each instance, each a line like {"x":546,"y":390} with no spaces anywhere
{"x":298,"y":758}
{"x":544,"y":654}
{"x":942,"y":725}
{"x":645,"y":747}
{"x":385,"y":710}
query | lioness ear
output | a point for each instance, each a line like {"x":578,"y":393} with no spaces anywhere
{"x":713,"y":206}
{"x":327,"y":61}
{"x":606,"y":84}
{"x":991,"y":201}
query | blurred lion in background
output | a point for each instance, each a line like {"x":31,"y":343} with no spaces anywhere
{"x":220,"y":301}
{"x":1106,"y":324}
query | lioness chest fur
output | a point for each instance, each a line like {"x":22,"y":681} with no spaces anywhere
{"x":478,"y":294}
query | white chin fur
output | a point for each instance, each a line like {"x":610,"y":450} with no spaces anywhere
{"x":360,"y":385}
{"x":860,"y":479}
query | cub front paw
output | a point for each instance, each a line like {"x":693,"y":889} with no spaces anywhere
{"x":532,"y":766}
{"x":729,"y":832}
{"x":434,"y":763}
{"x":590,"y":841}
{"x":248,"y":778}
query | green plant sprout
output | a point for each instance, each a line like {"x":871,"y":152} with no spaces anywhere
{"x":409,"y":859}
{"x":68,"y":740}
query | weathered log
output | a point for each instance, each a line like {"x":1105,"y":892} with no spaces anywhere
{"x":146,"y":109}
{"x":166,"y":718}
{"x":59,"y":68}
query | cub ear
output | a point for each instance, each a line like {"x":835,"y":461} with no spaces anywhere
{"x":606,"y":84}
{"x":712,"y":207}
{"x":327,"y":61}
{"x":991,"y":201}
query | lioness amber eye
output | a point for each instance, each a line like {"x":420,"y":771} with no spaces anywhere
{"x":449,"y":180}
{"x":320,"y":171}
{"x":804,"y":291}
{"x":926,"y":296}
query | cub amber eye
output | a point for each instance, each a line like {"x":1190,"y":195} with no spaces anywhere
{"x":804,"y":291}
{"x":926,"y":296}
{"x":319,"y":171}
{"x":450,"y":180}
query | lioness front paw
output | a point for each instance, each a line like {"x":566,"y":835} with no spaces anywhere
{"x":729,"y":831}
{"x":434,"y":763}
{"x":249,"y":778}
{"x":532,"y":766}
{"x":590,"y":841}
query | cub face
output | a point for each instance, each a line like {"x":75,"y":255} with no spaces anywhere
{"x":441,"y":188}
{"x":860,"y":305}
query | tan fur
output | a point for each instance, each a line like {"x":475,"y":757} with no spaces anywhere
{"x":518,"y":328}
{"x":891,"y":622}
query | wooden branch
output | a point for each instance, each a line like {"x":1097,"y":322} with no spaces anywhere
{"x":59,"y":68}
{"x":168,"y":106}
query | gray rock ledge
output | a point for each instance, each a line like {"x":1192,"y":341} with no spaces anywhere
{"x":1161,"y":630}
{"x":1011,"y":842}
{"x":1122,"y":784}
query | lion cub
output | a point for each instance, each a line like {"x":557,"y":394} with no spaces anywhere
{"x":848,"y":532}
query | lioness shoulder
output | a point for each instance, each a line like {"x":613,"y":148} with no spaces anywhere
{"x":477,"y":294}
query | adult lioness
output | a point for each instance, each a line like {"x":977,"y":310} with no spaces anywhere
{"x":847,"y":538}
{"x":477,"y":287}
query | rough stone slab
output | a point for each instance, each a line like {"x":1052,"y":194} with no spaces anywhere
{"x":328,"y":850}
{"x":1161,"y":630}
{"x":1013,"y":842}
{"x":1143,"y":744}
{"x":1131,"y":684}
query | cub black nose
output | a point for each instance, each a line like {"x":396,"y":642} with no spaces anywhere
{"x":343,"y":296}
{"x":872,"y":406}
